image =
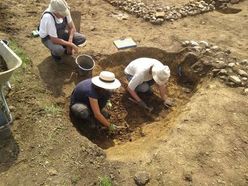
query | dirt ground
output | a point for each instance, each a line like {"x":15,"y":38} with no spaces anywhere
{"x":203,"y":140}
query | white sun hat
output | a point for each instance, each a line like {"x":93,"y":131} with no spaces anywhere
{"x":59,"y":6}
{"x":160,"y":74}
{"x":106,"y":80}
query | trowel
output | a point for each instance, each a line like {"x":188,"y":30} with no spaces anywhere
{"x":149,"y":109}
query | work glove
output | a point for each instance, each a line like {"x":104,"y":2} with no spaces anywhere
{"x":112,"y":128}
{"x":109,"y":104}
{"x":169,"y":102}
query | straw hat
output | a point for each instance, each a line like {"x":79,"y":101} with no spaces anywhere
{"x":106,"y":80}
{"x":59,"y":6}
{"x":160,"y":74}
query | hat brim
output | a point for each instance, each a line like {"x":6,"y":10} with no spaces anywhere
{"x":158,"y":81}
{"x":65,"y":13}
{"x":110,"y":86}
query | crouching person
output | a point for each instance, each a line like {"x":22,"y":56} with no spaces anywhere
{"x":57,"y":30}
{"x":142,"y":73}
{"x":90,"y":97}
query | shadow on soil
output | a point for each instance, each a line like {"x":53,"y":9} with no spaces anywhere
{"x":9,"y":150}
{"x":56,"y":74}
{"x":96,"y":135}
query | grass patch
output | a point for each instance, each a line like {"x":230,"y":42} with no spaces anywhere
{"x":105,"y":181}
{"x":19,"y":52}
{"x":53,"y":110}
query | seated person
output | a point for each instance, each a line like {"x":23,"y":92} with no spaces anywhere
{"x":90,"y":97}
{"x":144,"y":72}
{"x":57,"y":30}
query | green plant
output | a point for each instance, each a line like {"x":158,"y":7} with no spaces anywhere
{"x":105,"y":181}
{"x":75,"y":179}
{"x":20,"y":53}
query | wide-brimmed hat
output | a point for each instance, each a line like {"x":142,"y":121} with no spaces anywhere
{"x":106,"y":80}
{"x":160,"y":74}
{"x":59,"y":6}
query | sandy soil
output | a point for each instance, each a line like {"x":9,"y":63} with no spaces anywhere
{"x":202,"y":141}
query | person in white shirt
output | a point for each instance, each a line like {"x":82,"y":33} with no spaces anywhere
{"x":57,"y":30}
{"x":144,"y":72}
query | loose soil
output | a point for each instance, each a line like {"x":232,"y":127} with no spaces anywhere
{"x":201,"y":141}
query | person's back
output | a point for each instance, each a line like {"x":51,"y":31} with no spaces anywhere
{"x":85,"y":90}
{"x":90,"y":97}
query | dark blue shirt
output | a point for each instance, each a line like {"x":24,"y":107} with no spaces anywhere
{"x":84,"y":90}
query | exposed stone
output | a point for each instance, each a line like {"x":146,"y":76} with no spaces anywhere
{"x":143,"y":10}
{"x":215,"y":48}
{"x":235,"y":79}
{"x":203,"y":43}
{"x":52,"y":172}
{"x":231,"y":64}
{"x":244,"y":78}
{"x":194,"y":43}
{"x":141,"y":178}
{"x":160,"y":14}
{"x":242,"y":73}
{"x":223,"y":71}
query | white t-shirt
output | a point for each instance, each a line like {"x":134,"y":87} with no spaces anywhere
{"x":47,"y":25}
{"x":139,"y":69}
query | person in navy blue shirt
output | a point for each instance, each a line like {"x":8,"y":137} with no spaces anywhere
{"x":90,"y":96}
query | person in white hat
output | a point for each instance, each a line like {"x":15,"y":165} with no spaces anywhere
{"x":57,"y":30}
{"x":144,"y":72}
{"x":90,"y":96}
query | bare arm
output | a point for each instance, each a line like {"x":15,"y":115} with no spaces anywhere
{"x":97,"y":113}
{"x":59,"y":41}
{"x":134,"y":94}
{"x":163,"y":92}
{"x":71,"y":31}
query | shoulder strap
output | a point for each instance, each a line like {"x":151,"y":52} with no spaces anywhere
{"x":38,"y":28}
{"x":50,"y":14}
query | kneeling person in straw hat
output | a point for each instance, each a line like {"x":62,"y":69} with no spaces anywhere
{"x":144,"y":72}
{"x":57,"y":30}
{"x":90,"y":97}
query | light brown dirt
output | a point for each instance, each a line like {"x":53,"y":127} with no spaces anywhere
{"x":202,"y":141}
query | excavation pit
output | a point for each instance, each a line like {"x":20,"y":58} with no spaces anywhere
{"x":128,"y":115}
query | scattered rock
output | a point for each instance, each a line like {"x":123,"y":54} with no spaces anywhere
{"x":52,"y":172}
{"x":245,"y":92}
{"x":92,"y":28}
{"x":188,"y":177}
{"x":12,"y":108}
{"x":156,"y":14}
{"x":141,"y":178}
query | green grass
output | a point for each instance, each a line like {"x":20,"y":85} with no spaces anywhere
{"x":105,"y":181}
{"x":53,"y":110}
{"x":20,"y":53}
